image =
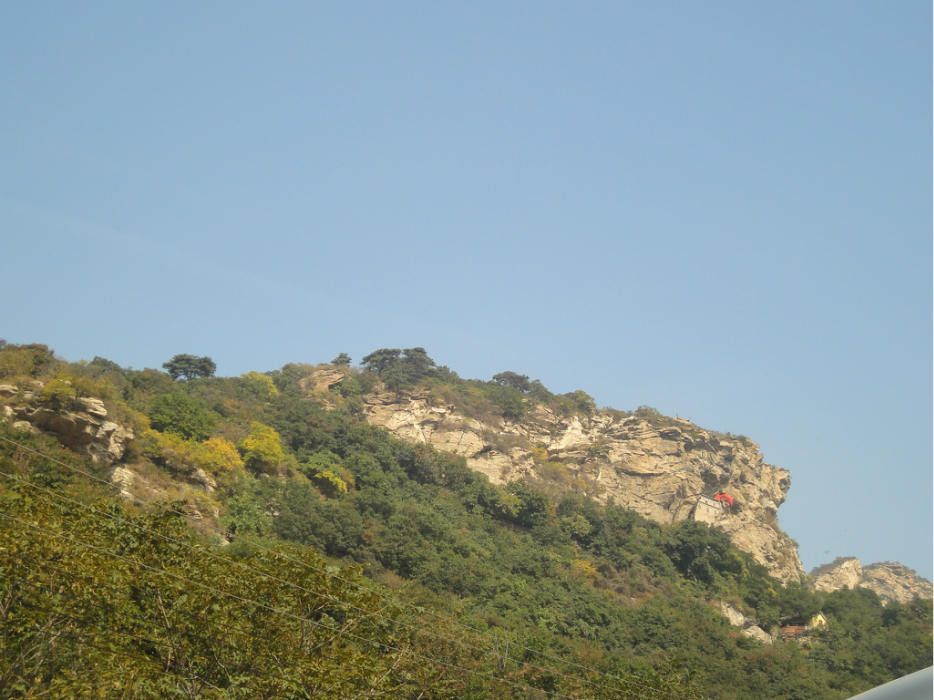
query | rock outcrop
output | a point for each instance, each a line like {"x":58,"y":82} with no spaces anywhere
{"x":891,"y":581}
{"x":847,"y":573}
{"x":747,"y":624}
{"x":658,"y":468}
{"x":894,"y":581}
{"x":83,"y":427}
{"x":323,"y":378}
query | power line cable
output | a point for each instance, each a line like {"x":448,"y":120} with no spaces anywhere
{"x":417,"y":629}
{"x":226,"y":533}
{"x":98,"y":584}
{"x":169,"y":644}
{"x":284,"y":613}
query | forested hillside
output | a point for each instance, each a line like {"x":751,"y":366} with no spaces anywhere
{"x":257,"y":538}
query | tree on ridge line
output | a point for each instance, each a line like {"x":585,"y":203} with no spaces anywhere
{"x":190,"y":367}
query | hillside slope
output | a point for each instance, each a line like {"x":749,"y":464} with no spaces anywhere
{"x":651,"y":464}
{"x":560,"y":583}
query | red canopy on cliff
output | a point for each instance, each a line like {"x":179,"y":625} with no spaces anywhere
{"x":724,"y":497}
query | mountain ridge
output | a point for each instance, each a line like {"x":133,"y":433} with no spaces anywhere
{"x":512,"y":523}
{"x":659,"y":470}
{"x":891,"y":581}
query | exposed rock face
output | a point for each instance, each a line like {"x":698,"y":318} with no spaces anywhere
{"x":891,"y":581}
{"x":124,"y":479}
{"x":846,"y":574}
{"x":659,"y":471}
{"x":84,"y":429}
{"x":323,"y":378}
{"x":748,"y":625}
{"x":894,"y":581}
{"x":736,"y":618}
{"x":757,"y":632}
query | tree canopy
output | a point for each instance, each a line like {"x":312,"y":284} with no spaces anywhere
{"x":181,"y":415}
{"x":342,"y":360}
{"x":519,"y":382}
{"x":400,"y":369}
{"x":190,"y":367}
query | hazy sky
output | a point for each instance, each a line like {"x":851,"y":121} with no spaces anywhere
{"x":722,"y":210}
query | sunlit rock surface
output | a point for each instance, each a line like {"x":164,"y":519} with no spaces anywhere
{"x":659,"y":471}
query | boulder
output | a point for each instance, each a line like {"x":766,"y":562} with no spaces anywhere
{"x":757,"y":632}
{"x":124,"y":479}
{"x":203,"y":480}
{"x":26,"y":427}
{"x":736,"y":618}
{"x":324,"y":378}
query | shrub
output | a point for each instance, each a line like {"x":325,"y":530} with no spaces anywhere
{"x":342,"y":360}
{"x":519,"y":382}
{"x":576,"y":402}
{"x":533,"y":506}
{"x":104,"y":366}
{"x":62,"y":391}
{"x":400,"y":369}
{"x":330,"y":484}
{"x":218,"y":456}
{"x":349,"y":387}
{"x":321,"y":462}
{"x":180,"y":415}
{"x":509,"y":400}
{"x":259,"y":385}
{"x":262,"y":449}
{"x":31,"y":360}
{"x":59,"y":394}
{"x":146,"y":382}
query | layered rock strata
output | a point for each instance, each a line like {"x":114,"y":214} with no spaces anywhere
{"x":846,"y":574}
{"x":659,"y":470}
{"x":896,"y":582}
{"x":84,"y":428}
{"x":891,"y":581}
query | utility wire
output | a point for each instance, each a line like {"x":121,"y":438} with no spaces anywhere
{"x":200,"y":550}
{"x":252,"y":635}
{"x":227,"y":533}
{"x":283,"y":613}
{"x":171,"y":645}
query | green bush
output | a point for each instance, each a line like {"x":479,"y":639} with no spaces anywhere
{"x":180,"y":415}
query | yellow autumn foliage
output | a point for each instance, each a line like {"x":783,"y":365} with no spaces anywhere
{"x":260,"y":383}
{"x":261,"y":449}
{"x":216,"y":456}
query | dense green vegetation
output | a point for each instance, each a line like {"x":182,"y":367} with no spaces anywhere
{"x":530,"y":586}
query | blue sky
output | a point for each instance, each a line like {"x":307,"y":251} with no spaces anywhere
{"x":722,"y":210}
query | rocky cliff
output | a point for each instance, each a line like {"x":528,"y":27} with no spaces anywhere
{"x":891,"y":581}
{"x":658,"y":468}
{"x":846,"y":572}
{"x":84,"y":426}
